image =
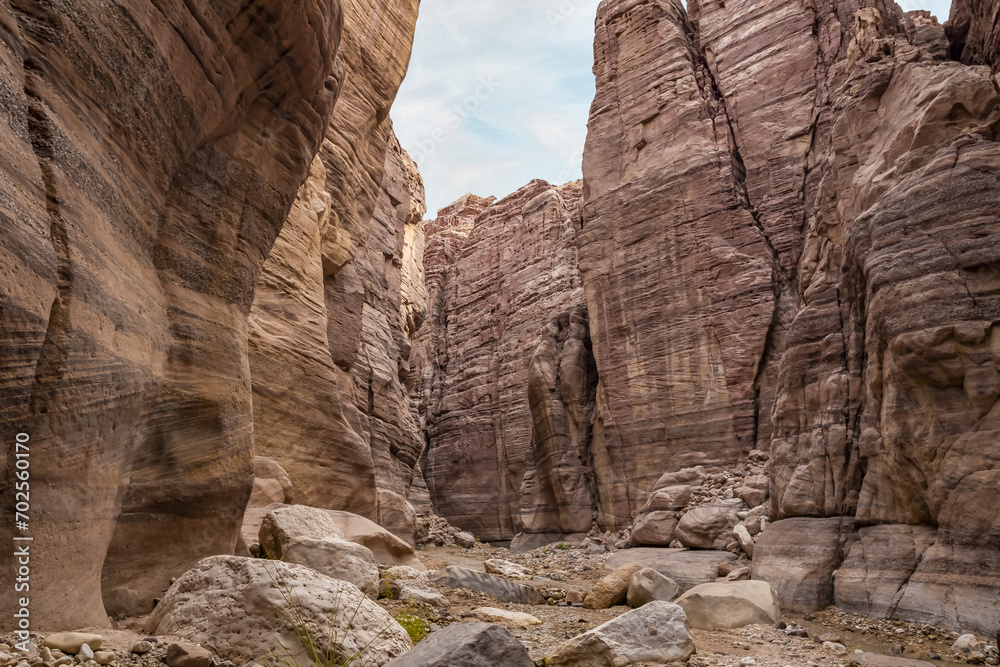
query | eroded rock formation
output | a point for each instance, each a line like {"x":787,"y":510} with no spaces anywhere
{"x":680,"y":278}
{"x":507,"y":388}
{"x":151,"y":157}
{"x":342,"y":294}
{"x":789,"y":243}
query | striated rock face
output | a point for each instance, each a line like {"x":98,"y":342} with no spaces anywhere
{"x":151,"y":155}
{"x":342,"y":294}
{"x":789,"y":243}
{"x":680,"y":280}
{"x":507,"y":377}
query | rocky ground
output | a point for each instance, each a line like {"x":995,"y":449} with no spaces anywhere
{"x":575,"y":570}
{"x":829,"y":638}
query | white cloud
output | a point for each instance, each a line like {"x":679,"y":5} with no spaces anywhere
{"x":497,"y":94}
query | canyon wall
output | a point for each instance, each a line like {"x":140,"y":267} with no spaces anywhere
{"x":332,"y":321}
{"x":152,"y":155}
{"x":503,"y":358}
{"x":788,"y":248}
{"x":790,"y":243}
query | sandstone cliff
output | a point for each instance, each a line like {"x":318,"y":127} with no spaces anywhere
{"x":331,"y":324}
{"x":789,"y":243}
{"x":152,"y":155}
{"x":506,"y":382}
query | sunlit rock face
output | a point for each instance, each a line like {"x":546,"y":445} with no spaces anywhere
{"x":151,"y":155}
{"x":790,"y":243}
{"x":342,"y":296}
{"x":508,"y":380}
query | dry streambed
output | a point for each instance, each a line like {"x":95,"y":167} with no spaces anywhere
{"x":536,"y":596}
{"x":575,"y":570}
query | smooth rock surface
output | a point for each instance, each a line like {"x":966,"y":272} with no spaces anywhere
{"x":647,"y":585}
{"x":730,"y":605}
{"x":182,"y":654}
{"x":687,"y":568}
{"x":454,"y":576}
{"x":309,"y":536}
{"x":656,"y":633}
{"x":388,"y":549}
{"x":70,"y":642}
{"x":270,"y":484}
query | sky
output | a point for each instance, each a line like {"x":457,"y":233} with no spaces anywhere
{"x":498,"y":93}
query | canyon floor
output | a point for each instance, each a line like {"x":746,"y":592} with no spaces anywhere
{"x":768,"y":646}
{"x":576,"y":570}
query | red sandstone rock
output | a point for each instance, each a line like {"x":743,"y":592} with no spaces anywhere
{"x":509,"y":370}
{"x":681,"y":282}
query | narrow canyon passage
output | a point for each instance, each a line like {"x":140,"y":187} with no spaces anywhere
{"x":754,"y":343}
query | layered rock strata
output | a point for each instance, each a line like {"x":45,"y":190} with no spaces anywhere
{"x":507,"y":377}
{"x":681,"y":280}
{"x":342,"y":295}
{"x":152,"y":155}
{"x":789,"y":242}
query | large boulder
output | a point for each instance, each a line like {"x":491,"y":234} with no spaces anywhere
{"x":70,"y":642}
{"x":454,"y":576}
{"x":687,"y":568}
{"x":648,"y":585}
{"x":689,"y":477}
{"x":387,"y":548}
{"x":467,"y":645}
{"x":239,"y":608}
{"x":409,"y":585}
{"x":310,"y":537}
{"x":654,"y":528}
{"x":612,"y":589}
{"x":730,"y":604}
{"x":798,"y":557}
{"x":656,"y":633}
{"x":754,"y":490}
{"x":709,"y":526}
